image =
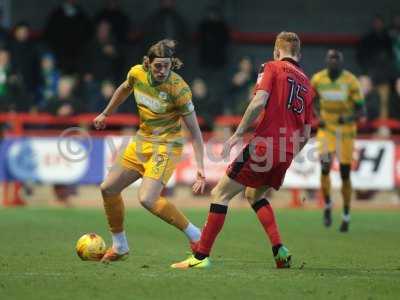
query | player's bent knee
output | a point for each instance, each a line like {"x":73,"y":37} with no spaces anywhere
{"x":147,"y":201}
{"x":344,"y":171}
{"x":107,"y":190}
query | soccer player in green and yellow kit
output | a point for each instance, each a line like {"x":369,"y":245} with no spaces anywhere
{"x":164,"y":100}
{"x":339,"y":105}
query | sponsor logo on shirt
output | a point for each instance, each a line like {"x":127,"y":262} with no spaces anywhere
{"x":153,"y":104}
{"x":339,"y":95}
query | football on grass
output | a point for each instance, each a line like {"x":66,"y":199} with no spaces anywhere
{"x":90,"y":246}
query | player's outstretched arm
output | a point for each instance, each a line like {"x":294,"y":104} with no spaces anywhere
{"x":191,"y":123}
{"x":252,"y":112}
{"x":119,"y":96}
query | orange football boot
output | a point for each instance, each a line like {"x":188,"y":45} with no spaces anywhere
{"x":112,"y":255}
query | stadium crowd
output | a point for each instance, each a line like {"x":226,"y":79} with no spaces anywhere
{"x":75,"y":63}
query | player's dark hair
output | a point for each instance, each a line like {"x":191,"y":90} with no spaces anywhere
{"x":162,"y":49}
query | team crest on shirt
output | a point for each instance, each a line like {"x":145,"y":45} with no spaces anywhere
{"x":163,"y":96}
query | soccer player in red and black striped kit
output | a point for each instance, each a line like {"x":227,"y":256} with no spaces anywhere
{"x":284,"y":95}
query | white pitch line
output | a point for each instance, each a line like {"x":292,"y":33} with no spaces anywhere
{"x":29,"y":274}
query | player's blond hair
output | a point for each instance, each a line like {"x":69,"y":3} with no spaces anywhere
{"x":288,"y":42}
{"x":163,"y":49}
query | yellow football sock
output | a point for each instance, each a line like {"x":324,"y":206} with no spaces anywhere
{"x":166,"y":211}
{"x":114,"y":208}
{"x":346,"y":193}
{"x":326,"y":185}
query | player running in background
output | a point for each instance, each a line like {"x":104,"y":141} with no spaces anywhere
{"x":164,"y":100}
{"x":339,"y":105}
{"x":284,"y":95}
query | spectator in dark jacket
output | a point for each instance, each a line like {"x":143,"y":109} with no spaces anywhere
{"x":395,"y":35}
{"x":166,"y":22}
{"x":394,"y":103}
{"x":120,"y":23}
{"x":67,"y":31}
{"x":213,"y":39}
{"x":103,"y":55}
{"x":375,"y":55}
{"x":371,"y":97}
{"x":375,"y":51}
{"x":24,"y":58}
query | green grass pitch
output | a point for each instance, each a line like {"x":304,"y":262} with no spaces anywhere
{"x":37,"y":258}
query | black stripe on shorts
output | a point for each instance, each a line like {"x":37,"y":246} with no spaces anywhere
{"x":237,"y":166}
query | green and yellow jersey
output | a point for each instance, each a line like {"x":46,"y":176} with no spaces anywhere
{"x":160,"y":105}
{"x":337,"y":98}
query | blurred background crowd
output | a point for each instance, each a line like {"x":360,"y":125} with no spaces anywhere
{"x":74,"y":62}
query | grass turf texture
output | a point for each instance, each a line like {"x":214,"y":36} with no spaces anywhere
{"x":37,"y":258}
